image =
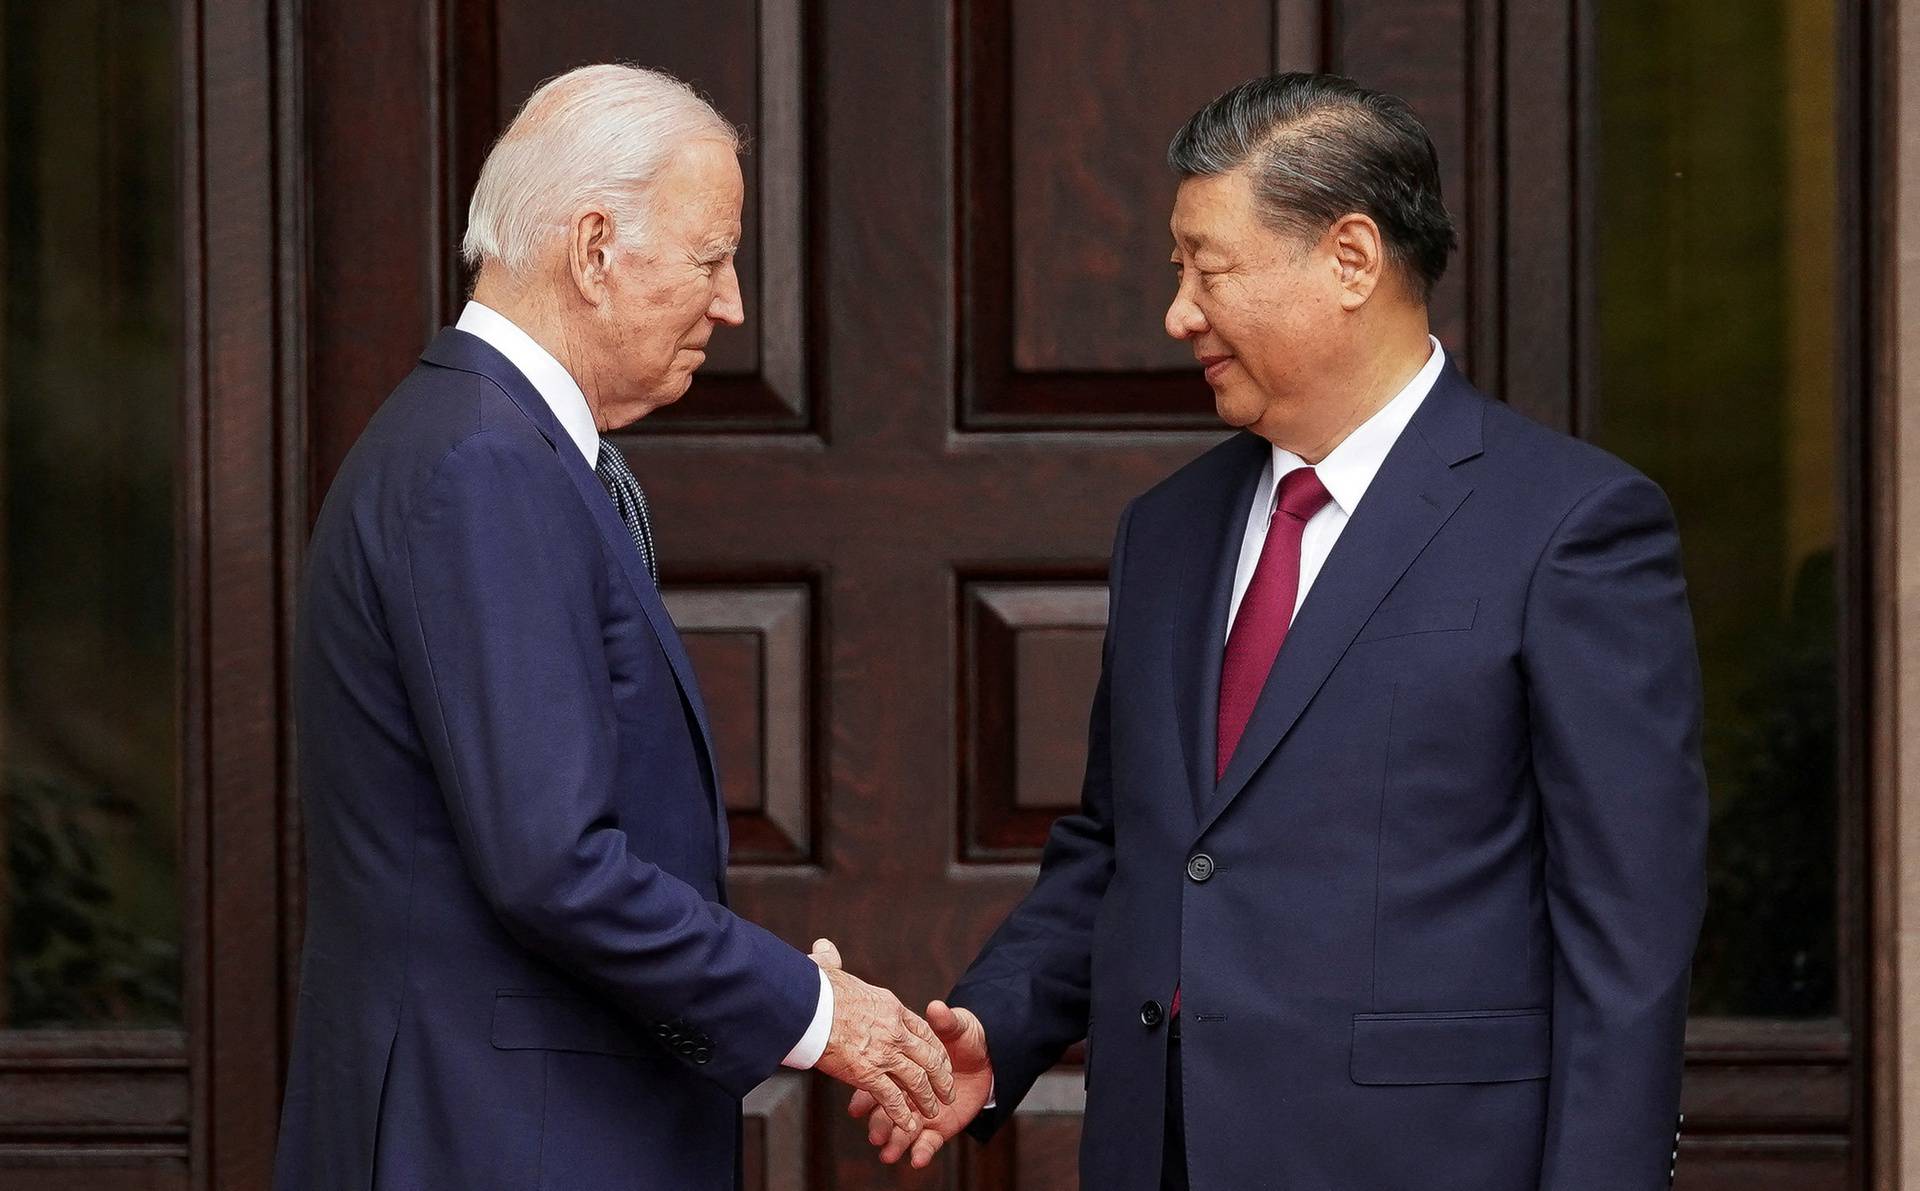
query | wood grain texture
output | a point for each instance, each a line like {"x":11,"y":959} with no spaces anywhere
{"x":1064,"y":112}
{"x":1030,"y":656}
{"x":753,"y":648}
{"x":1091,"y":190}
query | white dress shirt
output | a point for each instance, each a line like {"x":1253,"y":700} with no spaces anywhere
{"x":562,"y":394}
{"x":549,"y":376}
{"x":1346,"y":472}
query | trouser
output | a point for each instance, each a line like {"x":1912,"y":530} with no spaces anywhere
{"x":1173,"y":1153}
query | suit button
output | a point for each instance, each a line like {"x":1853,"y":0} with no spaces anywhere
{"x":702,"y":1056}
{"x":1151,"y":1015}
{"x":1200,"y":868}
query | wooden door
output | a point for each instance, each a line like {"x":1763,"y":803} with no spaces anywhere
{"x":885,"y":507}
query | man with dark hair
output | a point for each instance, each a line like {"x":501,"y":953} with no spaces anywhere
{"x":1389,"y":863}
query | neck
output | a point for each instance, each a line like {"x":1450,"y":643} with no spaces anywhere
{"x":1347,"y":400}
{"x":534,"y":309}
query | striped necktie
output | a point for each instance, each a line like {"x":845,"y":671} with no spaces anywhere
{"x":631,"y":501}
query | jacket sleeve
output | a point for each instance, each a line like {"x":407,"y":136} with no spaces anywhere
{"x":498,"y":626}
{"x":1615,"y":700}
{"x":1031,"y":984}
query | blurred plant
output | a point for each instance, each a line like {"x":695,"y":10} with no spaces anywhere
{"x":1769,"y":945}
{"x":73,"y":956}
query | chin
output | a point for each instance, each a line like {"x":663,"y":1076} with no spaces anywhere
{"x":672,"y":390}
{"x":1237,"y":409}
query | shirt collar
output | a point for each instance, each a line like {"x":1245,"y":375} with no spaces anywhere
{"x":548,"y":376}
{"x":1349,"y":468}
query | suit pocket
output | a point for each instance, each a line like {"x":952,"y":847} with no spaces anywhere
{"x":1479,"y":1046}
{"x":535,"y":1021}
{"x":1435,"y":616}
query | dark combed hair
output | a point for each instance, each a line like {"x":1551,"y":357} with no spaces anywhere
{"x":1317,"y":147}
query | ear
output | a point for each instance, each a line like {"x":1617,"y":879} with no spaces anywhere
{"x":1360,"y":257}
{"x":590,"y":254}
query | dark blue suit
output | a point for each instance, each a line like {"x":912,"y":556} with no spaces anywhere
{"x":1433,"y":927}
{"x":520,"y":971}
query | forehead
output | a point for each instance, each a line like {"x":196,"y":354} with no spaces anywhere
{"x":1212,"y":208}
{"x":701,"y":190}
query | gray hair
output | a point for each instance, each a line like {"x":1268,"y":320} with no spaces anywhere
{"x":592,"y":137}
{"x":1317,"y":147}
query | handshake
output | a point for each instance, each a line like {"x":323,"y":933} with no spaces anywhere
{"x":919,"y":1081}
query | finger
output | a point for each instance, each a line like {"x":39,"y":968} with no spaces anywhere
{"x":926,"y":1050}
{"x":925,"y":1147}
{"x":896,"y":1106}
{"x":879,"y":1129}
{"x":825,"y":954}
{"x":862,"y":1104}
{"x":914,"y":1082}
{"x":897,"y":1145}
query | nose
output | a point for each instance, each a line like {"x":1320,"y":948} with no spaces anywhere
{"x":727,"y":305}
{"x":1184,"y":318}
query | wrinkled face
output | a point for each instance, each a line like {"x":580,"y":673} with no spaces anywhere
{"x":664,"y":297}
{"x":1260,"y":308}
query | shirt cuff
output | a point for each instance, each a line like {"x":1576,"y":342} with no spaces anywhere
{"x":813,"y":1043}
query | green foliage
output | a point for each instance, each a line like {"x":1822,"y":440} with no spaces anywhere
{"x":74,"y":956}
{"x":1769,"y":945}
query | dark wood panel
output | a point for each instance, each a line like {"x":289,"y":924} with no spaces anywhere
{"x":774,"y":1154}
{"x":1065,"y":111}
{"x":753,"y":648}
{"x":374,"y":236}
{"x":1030,"y":660}
{"x":1748,"y":1076}
{"x":1425,"y":52}
{"x":1763,"y":1164}
{"x":1039,"y":1150}
{"x":86,"y":1168}
{"x":245,"y":491}
{"x":101,"y":1084}
{"x":1056,"y":671}
{"x":1090,"y":192}
{"x":1534,"y":294}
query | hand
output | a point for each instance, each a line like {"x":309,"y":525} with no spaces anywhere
{"x":966,"y":1042}
{"x":882,"y":1048}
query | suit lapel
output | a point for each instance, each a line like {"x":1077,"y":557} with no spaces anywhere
{"x":1206,"y":588}
{"x":1412,"y":496}
{"x":469,"y":353}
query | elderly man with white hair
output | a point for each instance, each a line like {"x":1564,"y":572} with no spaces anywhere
{"x":520,"y":969}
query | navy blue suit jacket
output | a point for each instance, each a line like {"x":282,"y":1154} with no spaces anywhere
{"x":1454,"y":872}
{"x":520,"y":971}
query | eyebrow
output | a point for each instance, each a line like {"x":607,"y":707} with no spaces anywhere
{"x":1194,"y":240}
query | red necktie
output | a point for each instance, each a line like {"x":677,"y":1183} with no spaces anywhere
{"x":1265,"y":610}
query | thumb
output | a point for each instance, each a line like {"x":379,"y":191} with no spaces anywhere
{"x":947,"y":1022}
{"x":825,"y":954}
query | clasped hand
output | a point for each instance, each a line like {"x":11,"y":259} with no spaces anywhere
{"x":963,"y":1083}
{"x":883,"y":1049}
